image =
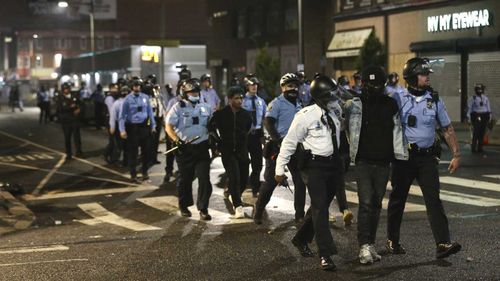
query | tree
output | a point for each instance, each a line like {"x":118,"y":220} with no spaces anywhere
{"x":267,"y":70}
{"x":372,"y":52}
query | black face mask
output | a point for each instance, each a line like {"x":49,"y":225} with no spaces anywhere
{"x":291,"y":95}
{"x":417,"y":93}
{"x":479,"y":93}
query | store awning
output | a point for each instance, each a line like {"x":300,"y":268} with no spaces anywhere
{"x":347,"y":43}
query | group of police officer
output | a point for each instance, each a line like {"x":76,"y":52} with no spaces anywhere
{"x":390,"y":130}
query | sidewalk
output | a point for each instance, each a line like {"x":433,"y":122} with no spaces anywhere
{"x":464,"y":133}
{"x":14,"y":215}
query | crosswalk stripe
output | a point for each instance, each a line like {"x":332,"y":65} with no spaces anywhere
{"x":98,"y":212}
{"x":492,"y":176}
{"x":475,"y":184}
{"x":352,"y":197}
{"x":91,"y":192}
{"x":169,"y":204}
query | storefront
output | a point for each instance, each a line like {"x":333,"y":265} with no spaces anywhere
{"x":461,"y":40}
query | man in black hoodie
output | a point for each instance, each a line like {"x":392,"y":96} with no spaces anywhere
{"x":229,"y":129}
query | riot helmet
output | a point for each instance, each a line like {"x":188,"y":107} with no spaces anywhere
{"x":479,"y":88}
{"x":323,"y":91}
{"x":415,"y":67}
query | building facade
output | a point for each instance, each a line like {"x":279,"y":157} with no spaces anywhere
{"x":461,"y":39}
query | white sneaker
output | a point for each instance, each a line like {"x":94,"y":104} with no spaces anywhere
{"x":238,"y":213}
{"x":365,"y":257}
{"x":373,"y":252}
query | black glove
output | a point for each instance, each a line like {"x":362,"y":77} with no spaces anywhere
{"x":180,"y":144}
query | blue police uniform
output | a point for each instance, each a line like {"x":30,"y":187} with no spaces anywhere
{"x":191,"y":120}
{"x":420,"y":114}
{"x":137,"y":120}
{"x":479,"y":113}
{"x":257,"y":108}
{"x":283,"y":111}
{"x":305,"y":94}
{"x":210,"y":97}
{"x":391,"y":90}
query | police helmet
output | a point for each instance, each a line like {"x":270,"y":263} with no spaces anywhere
{"x":235,"y":91}
{"x":206,"y":77}
{"x":289,"y":78}
{"x":357,"y":76}
{"x":121,"y":82}
{"x":343,"y":80}
{"x":479,"y":87}
{"x":414,"y":67}
{"x":373,"y":78}
{"x":251,"y":81}
{"x":136,"y":81}
{"x":323,"y":90}
{"x":392,"y":78}
{"x":152,"y":78}
{"x":191,"y":85}
{"x":301,"y":74}
{"x":66,"y":85}
{"x":124,"y":90}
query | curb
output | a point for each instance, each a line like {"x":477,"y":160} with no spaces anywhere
{"x":18,"y":216}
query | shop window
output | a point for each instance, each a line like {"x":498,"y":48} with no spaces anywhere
{"x":83,"y":43}
{"x":242,"y":22}
{"x":291,"y":15}
{"x":100,"y":43}
{"x":255,"y":20}
{"x":38,"y":61}
{"x":116,"y":42}
{"x":38,"y":43}
{"x":273,"y":17}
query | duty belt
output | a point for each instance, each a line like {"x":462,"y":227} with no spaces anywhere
{"x":413,"y":148}
{"x":322,"y":158}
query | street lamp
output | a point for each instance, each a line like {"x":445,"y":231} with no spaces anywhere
{"x":64,"y":4}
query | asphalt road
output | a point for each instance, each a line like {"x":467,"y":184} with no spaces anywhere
{"x":92,"y":224}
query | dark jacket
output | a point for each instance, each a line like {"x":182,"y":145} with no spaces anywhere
{"x":66,"y":108}
{"x":233,"y":129}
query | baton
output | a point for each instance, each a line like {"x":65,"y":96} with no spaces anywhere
{"x":177,"y":147}
{"x":285,"y":184}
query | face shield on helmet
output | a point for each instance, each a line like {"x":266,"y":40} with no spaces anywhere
{"x":415,"y":67}
{"x":324,"y":91}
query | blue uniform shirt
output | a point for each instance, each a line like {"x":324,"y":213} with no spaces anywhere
{"x":393,"y":90}
{"x":190,"y":121}
{"x":283,"y":111}
{"x":428,"y":117}
{"x":210,"y":97}
{"x":114,"y":114}
{"x":260,"y":109}
{"x":130,"y":111}
{"x":478,"y":104}
{"x":305,"y":94}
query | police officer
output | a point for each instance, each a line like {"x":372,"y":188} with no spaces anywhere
{"x":304,"y":89}
{"x":318,"y":129}
{"x":279,"y":116}
{"x":343,"y":81}
{"x":392,"y":87}
{"x":186,"y":120}
{"x":256,"y":106}
{"x":208,"y":94}
{"x":136,"y":123}
{"x":357,"y":83}
{"x":479,"y":114}
{"x":229,"y":128}
{"x":421,"y":110}
{"x":151,"y":88}
{"x":169,"y":165}
{"x":68,"y":113}
{"x":114,"y":117}
{"x":371,"y":119}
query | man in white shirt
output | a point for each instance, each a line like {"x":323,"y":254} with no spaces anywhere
{"x":318,"y":129}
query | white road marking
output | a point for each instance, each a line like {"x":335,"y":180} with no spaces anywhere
{"x":47,"y":177}
{"x":41,"y":262}
{"x":492,"y":176}
{"x":169,"y":204}
{"x":475,"y":184}
{"x":352,"y":197}
{"x":91,"y":192}
{"x":98,"y":212}
{"x":35,"y":249}
{"x":67,"y":174}
{"x":61,"y":153}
